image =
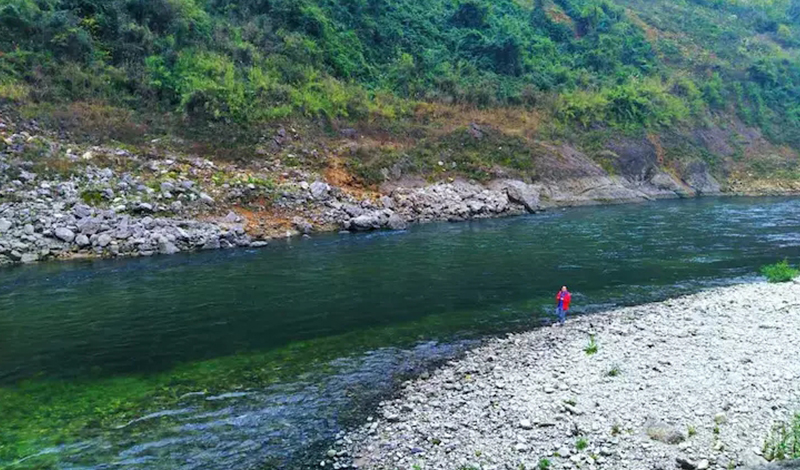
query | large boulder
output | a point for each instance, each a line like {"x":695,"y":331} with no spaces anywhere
{"x":365,"y":222}
{"x":524,"y":194}
{"x":65,"y":234}
{"x":396,"y":222}
{"x":319,"y":191}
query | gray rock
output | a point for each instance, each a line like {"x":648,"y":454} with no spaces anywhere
{"x":387,"y":202}
{"x":663,"y":432}
{"x":231,"y":218}
{"x":28,"y":229}
{"x":82,"y":240}
{"x":319,"y":191}
{"x":396,"y":222}
{"x":526,"y":424}
{"x":303,"y":226}
{"x":524,"y":194}
{"x":29,"y":258}
{"x":167,"y":187}
{"x":82,"y":211}
{"x":103,"y":240}
{"x":144,"y":207}
{"x":211,"y":244}
{"x":5,"y":225}
{"x":166,"y":247}
{"x":65,"y":234}
{"x":205,"y":198}
{"x":700,"y":179}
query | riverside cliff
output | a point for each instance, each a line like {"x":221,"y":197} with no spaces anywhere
{"x":60,"y":199}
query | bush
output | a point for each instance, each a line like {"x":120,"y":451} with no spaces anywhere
{"x":779,"y":272}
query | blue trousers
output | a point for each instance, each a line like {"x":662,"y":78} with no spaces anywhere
{"x":562,"y":314}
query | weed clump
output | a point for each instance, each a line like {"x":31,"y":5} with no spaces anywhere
{"x":591,"y":347}
{"x":779,"y":272}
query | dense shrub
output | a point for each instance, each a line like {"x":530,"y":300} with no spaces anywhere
{"x":780,"y":272}
{"x":618,"y":62}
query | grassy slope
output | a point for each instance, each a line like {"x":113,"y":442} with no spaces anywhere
{"x":689,"y":77}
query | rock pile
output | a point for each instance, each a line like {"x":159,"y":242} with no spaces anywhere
{"x":692,"y":383}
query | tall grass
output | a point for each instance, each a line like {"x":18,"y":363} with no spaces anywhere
{"x":784,"y":441}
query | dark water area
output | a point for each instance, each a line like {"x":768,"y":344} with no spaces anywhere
{"x":257,"y":358}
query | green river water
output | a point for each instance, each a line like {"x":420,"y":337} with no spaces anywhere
{"x":256,"y":359}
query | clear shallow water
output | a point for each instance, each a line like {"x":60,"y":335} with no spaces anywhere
{"x":255,"y":358}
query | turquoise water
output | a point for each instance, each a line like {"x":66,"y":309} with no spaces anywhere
{"x":257,"y":358}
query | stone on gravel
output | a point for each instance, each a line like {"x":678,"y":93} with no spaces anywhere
{"x":663,"y":432}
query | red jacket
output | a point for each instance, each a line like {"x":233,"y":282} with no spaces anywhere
{"x":566,"y":297}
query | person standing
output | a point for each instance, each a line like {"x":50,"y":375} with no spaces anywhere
{"x":563,"y":299}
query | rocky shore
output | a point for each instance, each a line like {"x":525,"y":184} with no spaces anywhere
{"x":60,"y":200}
{"x":696,"y":382}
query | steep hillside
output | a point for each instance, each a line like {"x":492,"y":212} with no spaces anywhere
{"x":586,"y":100}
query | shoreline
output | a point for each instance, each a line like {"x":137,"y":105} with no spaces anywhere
{"x":197,"y":234}
{"x":707,"y":375}
{"x":59,"y":199}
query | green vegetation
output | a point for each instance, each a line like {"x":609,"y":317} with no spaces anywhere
{"x":692,"y":431}
{"x":544,"y":464}
{"x":614,"y":371}
{"x":632,"y":64}
{"x":616,"y":429}
{"x":784,"y":441}
{"x":780,"y":272}
{"x":581,"y":443}
{"x":591,"y":347}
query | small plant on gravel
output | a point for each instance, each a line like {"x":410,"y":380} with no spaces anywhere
{"x":784,"y":441}
{"x":92,"y":197}
{"x":544,"y":464}
{"x":614,"y":371}
{"x":591,"y":348}
{"x":780,"y":272}
{"x":570,"y":402}
{"x":615,"y":429}
{"x":716,"y":430}
{"x":581,"y":443}
{"x":692,"y":431}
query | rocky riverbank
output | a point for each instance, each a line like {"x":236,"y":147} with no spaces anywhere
{"x":695,"y":383}
{"x":62,"y":200}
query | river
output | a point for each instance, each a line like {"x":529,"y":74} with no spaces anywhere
{"x":256,"y":359}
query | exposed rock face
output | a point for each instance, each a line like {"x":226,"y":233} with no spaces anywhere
{"x":521,"y":193}
{"x":698,"y":177}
